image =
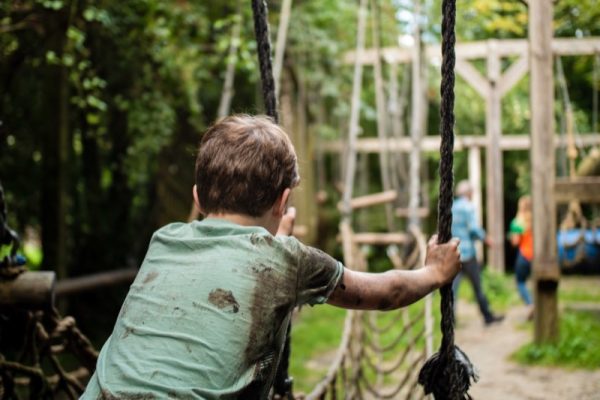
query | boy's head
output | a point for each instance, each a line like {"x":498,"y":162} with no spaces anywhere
{"x":243,"y":165}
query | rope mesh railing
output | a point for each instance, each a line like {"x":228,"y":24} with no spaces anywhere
{"x":380,"y":353}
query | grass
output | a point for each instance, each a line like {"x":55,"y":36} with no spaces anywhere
{"x":316,"y":334}
{"x":578,"y":346}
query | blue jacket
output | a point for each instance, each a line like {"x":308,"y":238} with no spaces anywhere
{"x":465,"y":227}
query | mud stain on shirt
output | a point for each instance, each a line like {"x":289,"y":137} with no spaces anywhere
{"x":127,"y":332}
{"x":224,"y":299}
{"x":272,"y":301}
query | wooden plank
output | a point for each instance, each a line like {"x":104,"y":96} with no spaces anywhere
{"x":432,"y":143}
{"x":473,"y":77}
{"x":381,"y":238}
{"x":480,"y":49}
{"x":371,"y":200}
{"x":584,"y":189}
{"x":545,"y":262}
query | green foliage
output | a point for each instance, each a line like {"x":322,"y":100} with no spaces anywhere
{"x":578,"y":346}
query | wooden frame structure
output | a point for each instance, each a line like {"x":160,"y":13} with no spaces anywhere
{"x":492,"y":87}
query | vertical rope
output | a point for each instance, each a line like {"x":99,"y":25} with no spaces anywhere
{"x":282,"y":382}
{"x":263,"y":45}
{"x":447,"y":160}
{"x":448,"y":373}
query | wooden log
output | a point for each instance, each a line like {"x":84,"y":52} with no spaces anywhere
{"x":582,"y":189}
{"x":31,"y":290}
{"x":381,"y":238}
{"x":80,"y":284}
{"x":371,"y":200}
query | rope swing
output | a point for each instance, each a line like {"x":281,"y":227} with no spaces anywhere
{"x":448,"y":373}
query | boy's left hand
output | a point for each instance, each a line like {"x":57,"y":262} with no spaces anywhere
{"x":286,"y":225}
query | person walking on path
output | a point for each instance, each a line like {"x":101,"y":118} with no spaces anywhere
{"x":521,"y":237}
{"x":467,"y":229}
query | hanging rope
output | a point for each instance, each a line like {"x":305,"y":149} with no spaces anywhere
{"x":283,"y":382}
{"x":263,"y":46}
{"x":448,"y":373}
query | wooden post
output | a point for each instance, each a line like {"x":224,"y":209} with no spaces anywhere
{"x":354,"y":128}
{"x":415,"y":121}
{"x":494,"y":181}
{"x":382,"y":126}
{"x":545,"y":266}
{"x":475,"y":180}
{"x":284,"y":22}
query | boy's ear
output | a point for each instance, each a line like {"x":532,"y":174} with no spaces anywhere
{"x":281,"y":203}
{"x":196,"y":201}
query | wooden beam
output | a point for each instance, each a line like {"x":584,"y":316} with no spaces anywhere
{"x":462,"y":142}
{"x":480,"y":49}
{"x":513,"y":75}
{"x":545,"y":259}
{"x":473,"y":77}
{"x":583,"y":189}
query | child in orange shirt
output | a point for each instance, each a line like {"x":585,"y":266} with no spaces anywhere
{"x":520,"y":236}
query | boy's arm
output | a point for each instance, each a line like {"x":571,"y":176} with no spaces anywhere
{"x":398,"y":288}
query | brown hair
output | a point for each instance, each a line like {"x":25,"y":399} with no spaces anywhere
{"x":244,"y":163}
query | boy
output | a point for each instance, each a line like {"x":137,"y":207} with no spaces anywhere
{"x":207,"y":314}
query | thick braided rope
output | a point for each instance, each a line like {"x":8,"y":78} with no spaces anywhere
{"x":448,"y":373}
{"x":263,"y":45}
{"x":282,"y":383}
{"x":446,"y":161}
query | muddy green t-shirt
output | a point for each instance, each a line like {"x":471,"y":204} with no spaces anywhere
{"x":207,"y":313}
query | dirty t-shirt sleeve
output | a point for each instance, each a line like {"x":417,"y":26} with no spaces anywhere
{"x":318,"y":273}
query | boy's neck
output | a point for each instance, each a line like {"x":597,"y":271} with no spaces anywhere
{"x":247,"y":220}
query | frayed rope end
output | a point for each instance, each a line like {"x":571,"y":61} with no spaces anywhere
{"x":448,"y":378}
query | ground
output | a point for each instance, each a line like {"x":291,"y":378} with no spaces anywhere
{"x":489,"y":348}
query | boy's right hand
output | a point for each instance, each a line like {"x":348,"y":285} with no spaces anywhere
{"x":286,"y":225}
{"x":444,"y":259}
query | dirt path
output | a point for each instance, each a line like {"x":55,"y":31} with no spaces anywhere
{"x":489,"y":349}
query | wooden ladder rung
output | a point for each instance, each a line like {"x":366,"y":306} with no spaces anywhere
{"x":371,"y":200}
{"x":422,"y":212}
{"x":381,"y":238}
